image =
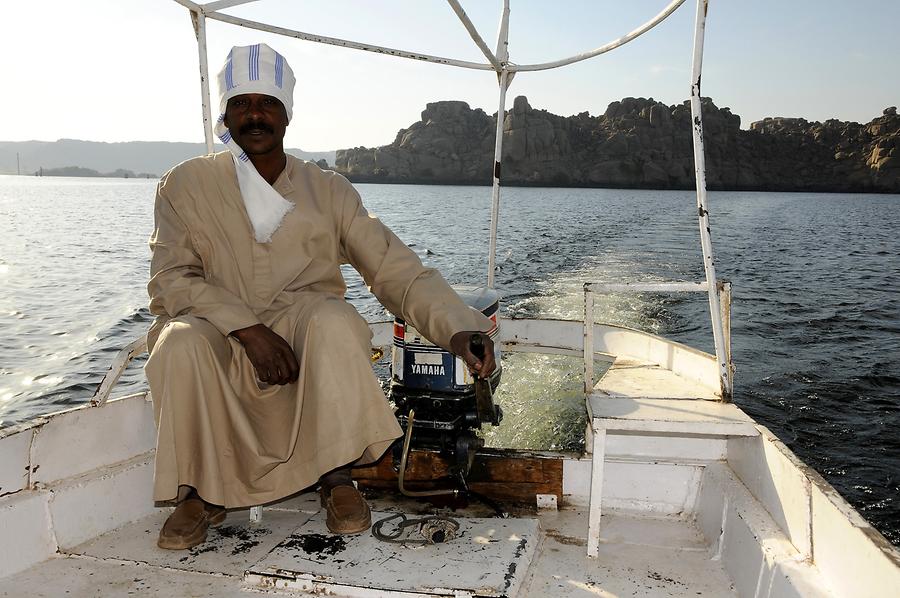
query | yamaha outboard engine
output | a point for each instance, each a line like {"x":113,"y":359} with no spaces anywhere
{"x":435,"y":390}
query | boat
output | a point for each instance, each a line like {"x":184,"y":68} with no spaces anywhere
{"x":677,"y":493}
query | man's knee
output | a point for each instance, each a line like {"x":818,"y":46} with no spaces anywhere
{"x":188,"y":335}
{"x":335,"y":318}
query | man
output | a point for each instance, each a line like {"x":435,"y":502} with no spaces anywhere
{"x":259,"y":369}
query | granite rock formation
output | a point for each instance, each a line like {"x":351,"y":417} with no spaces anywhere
{"x":637,"y":142}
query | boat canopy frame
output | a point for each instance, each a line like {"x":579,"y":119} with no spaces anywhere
{"x":499,"y":62}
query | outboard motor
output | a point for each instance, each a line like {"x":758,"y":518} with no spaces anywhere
{"x":434,"y":391}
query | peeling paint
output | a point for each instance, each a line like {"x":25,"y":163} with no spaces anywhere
{"x":563,"y":539}
{"x":511,"y":569}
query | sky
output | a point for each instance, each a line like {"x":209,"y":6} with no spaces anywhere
{"x":126,"y":70}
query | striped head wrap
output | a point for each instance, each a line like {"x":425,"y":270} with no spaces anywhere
{"x":256,"y":69}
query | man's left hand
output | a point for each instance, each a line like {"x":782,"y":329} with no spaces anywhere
{"x":460,"y":345}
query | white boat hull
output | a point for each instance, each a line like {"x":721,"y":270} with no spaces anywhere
{"x":721,"y":506}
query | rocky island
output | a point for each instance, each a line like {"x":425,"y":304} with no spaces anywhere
{"x":639,"y":143}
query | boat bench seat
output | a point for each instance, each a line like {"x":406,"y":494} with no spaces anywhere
{"x":635,"y":378}
{"x":652,"y":416}
{"x":677,"y":416}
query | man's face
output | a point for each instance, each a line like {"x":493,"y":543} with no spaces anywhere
{"x":257,"y":123}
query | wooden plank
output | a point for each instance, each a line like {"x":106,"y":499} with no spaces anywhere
{"x":501,"y":475}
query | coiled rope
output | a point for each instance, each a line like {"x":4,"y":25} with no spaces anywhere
{"x":433,"y":529}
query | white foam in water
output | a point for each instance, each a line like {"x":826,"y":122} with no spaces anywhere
{"x":543,"y":404}
{"x":541,"y":395}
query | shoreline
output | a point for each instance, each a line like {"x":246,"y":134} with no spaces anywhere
{"x":380,"y":180}
{"x":549,"y":185}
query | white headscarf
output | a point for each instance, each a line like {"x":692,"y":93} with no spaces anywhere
{"x":256,"y":69}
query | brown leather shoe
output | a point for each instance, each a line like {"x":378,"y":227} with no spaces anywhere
{"x":348,"y":512}
{"x":186,"y":527}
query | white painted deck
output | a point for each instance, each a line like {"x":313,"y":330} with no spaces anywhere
{"x":639,"y":556}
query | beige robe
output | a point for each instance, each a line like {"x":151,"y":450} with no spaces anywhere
{"x":237,"y":440}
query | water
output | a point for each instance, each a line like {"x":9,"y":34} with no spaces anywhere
{"x":816,"y":318}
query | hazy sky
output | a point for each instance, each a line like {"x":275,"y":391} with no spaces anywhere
{"x":121,"y":70}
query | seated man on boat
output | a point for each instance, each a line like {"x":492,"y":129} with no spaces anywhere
{"x":260,"y":371}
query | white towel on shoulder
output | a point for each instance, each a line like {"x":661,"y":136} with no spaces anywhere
{"x":256,"y":69}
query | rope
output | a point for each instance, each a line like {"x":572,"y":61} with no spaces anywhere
{"x":433,"y":530}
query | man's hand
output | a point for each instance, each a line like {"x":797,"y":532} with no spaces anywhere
{"x":460,"y":345}
{"x":270,"y":354}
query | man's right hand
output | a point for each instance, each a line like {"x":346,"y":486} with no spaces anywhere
{"x":270,"y":354}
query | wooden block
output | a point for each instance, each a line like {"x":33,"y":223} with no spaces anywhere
{"x":498,"y":474}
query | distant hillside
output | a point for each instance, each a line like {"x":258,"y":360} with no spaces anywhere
{"x":90,"y":172}
{"x":637,"y":142}
{"x":137,"y":156}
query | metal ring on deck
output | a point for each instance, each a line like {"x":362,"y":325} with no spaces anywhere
{"x":433,"y":529}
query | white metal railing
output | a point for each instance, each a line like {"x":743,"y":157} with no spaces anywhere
{"x":723,"y":295}
{"x":718,"y":294}
{"x":116,"y":369}
{"x":499,"y":62}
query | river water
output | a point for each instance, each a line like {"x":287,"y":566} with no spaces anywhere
{"x":816,"y":317}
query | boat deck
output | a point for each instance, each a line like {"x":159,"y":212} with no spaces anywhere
{"x":639,"y":556}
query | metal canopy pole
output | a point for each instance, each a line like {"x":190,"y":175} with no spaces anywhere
{"x":220,"y":4}
{"x":502,"y":55}
{"x":703,"y":212}
{"x":473,"y":33}
{"x":334,"y":41}
{"x":605,"y":48}
{"x":199,"y":21}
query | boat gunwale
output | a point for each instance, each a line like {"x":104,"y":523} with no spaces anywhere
{"x":381,"y":328}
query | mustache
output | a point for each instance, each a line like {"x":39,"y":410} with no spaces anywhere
{"x":256,"y":126}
